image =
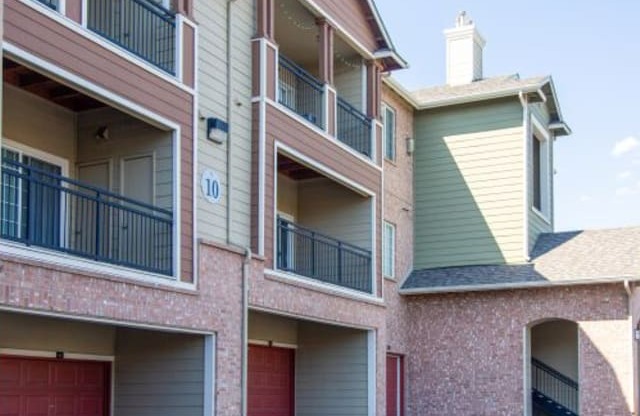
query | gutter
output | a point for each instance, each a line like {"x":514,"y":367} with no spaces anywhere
{"x":246,"y":269}
{"x":514,"y":286}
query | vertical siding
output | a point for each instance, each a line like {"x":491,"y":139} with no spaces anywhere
{"x":212,"y":86}
{"x":128,"y":137}
{"x":331,"y":371}
{"x":468,"y":185}
{"x":349,"y":83}
{"x":537,"y":225}
{"x":335,"y":211}
{"x":158,"y":374}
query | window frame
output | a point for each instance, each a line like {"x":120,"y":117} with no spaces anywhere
{"x":540,"y":135}
{"x":386,"y":267}
{"x":387,"y":109}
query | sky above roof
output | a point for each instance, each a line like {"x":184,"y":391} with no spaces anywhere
{"x":591,"y":49}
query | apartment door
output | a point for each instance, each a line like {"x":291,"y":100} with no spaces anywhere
{"x":395,"y":385}
{"x":92,"y":216}
{"x":135,"y":224}
{"x":50,"y":387}
{"x":270,"y":381}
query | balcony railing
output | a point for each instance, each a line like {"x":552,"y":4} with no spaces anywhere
{"x":42,"y":209}
{"x":52,"y":4}
{"x":354,"y":128}
{"x":142,"y":27}
{"x":308,"y":253}
{"x":300,"y":92}
{"x":550,"y":388}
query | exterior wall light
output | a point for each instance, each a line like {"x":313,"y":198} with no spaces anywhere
{"x":217,"y":130}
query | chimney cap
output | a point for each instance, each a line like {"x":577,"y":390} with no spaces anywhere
{"x":463,"y":20}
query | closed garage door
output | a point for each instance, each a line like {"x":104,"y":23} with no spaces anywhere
{"x":49,"y":387}
{"x":270,"y":384}
{"x":395,"y":387}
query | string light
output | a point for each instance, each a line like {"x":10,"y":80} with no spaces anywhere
{"x":344,"y":61}
{"x":297,"y":23}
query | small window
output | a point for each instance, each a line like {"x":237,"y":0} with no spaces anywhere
{"x":389,"y":133}
{"x":388,"y":249}
{"x":537,"y":174}
{"x":540,"y":169}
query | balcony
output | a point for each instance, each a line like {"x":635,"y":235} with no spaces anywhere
{"x":309,"y":253}
{"x":41,"y":208}
{"x":300,"y":92}
{"x":142,"y":27}
{"x":354,"y":128}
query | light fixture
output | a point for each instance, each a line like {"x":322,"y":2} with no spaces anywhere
{"x":102,"y":134}
{"x":411,"y":145}
{"x":217,"y":130}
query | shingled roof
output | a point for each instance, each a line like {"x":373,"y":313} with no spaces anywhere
{"x":565,"y":258}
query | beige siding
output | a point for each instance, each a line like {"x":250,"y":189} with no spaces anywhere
{"x":537,"y":224}
{"x":274,"y":328}
{"x":27,"y":332}
{"x":331,"y":371}
{"x":468,"y":185}
{"x":32,"y":121}
{"x":212,"y":77}
{"x":335,"y":211}
{"x":349,"y":82}
{"x":158,"y":374}
{"x":287,"y":196}
{"x":127,"y":137}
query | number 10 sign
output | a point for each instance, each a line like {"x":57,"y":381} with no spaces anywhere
{"x":211,"y":187}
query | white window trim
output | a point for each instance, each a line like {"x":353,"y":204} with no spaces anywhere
{"x":539,"y":131}
{"x":385,"y":108}
{"x":389,"y":226}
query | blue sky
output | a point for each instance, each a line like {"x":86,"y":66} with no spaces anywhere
{"x":592,"y":50}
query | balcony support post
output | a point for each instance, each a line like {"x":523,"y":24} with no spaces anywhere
{"x":325,"y":51}
{"x":374,"y":79}
{"x":265,"y":19}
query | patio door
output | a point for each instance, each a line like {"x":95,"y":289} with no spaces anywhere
{"x":31,"y":207}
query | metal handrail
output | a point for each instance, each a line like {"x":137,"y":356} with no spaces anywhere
{"x":354,"y":127}
{"x":48,"y":210}
{"x":52,"y":4}
{"x":142,"y":27}
{"x":301,"y":72}
{"x":312,"y":254}
{"x":554,"y":386}
{"x":300,"y":92}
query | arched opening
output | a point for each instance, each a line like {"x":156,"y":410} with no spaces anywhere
{"x":552,"y":364}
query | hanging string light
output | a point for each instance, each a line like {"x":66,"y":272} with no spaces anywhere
{"x":346,"y":62}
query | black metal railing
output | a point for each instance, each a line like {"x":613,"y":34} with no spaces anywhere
{"x":42,"y":209}
{"x":142,"y":27}
{"x":354,"y":128}
{"x":52,"y":4}
{"x":552,"y":390}
{"x":309,"y":253}
{"x":300,"y":92}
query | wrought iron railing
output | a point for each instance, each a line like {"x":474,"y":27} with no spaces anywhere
{"x":41,"y":209}
{"x":354,"y":128}
{"x":308,"y":253}
{"x":142,"y":27}
{"x":300,"y":92}
{"x":52,"y":4}
{"x":552,"y":390}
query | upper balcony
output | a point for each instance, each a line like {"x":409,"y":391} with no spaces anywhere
{"x":151,"y":32}
{"x":321,"y":78}
{"x":82,"y":178}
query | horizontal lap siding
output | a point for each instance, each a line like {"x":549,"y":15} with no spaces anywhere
{"x":42,"y":36}
{"x":281,"y":127}
{"x":350,"y":15}
{"x":468,"y":185}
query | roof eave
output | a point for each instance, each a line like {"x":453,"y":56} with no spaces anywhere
{"x":511,"y":92}
{"x":514,"y":286}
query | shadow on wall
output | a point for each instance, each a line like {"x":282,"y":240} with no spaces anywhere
{"x":468,"y":185}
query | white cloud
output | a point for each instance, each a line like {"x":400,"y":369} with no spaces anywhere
{"x":624,"y":175}
{"x":585,"y":198}
{"x":626,"y":191}
{"x":625,"y":146}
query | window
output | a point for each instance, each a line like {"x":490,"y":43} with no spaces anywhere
{"x":388,"y":249}
{"x":540,"y":169}
{"x":389,"y":133}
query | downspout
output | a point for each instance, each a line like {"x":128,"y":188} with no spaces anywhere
{"x":246,"y":269}
{"x":229,"y":91}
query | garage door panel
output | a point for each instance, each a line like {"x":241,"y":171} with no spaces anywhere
{"x":10,"y":374}
{"x":35,"y":374}
{"x":270,"y":381}
{"x":9,"y":405}
{"x":90,"y":406}
{"x":65,"y":374}
{"x":35,"y":405}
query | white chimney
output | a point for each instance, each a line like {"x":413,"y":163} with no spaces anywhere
{"x":464,"y":52}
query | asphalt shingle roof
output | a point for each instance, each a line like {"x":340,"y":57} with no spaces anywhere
{"x":556,"y":258}
{"x":479,"y":89}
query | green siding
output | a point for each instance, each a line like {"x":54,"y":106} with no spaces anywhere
{"x":469,"y":185}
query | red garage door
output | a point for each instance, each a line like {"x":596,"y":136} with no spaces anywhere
{"x":270,"y":381}
{"x":395,"y":386}
{"x":48,"y":387}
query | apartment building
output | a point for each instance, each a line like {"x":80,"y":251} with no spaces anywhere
{"x":228,"y":207}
